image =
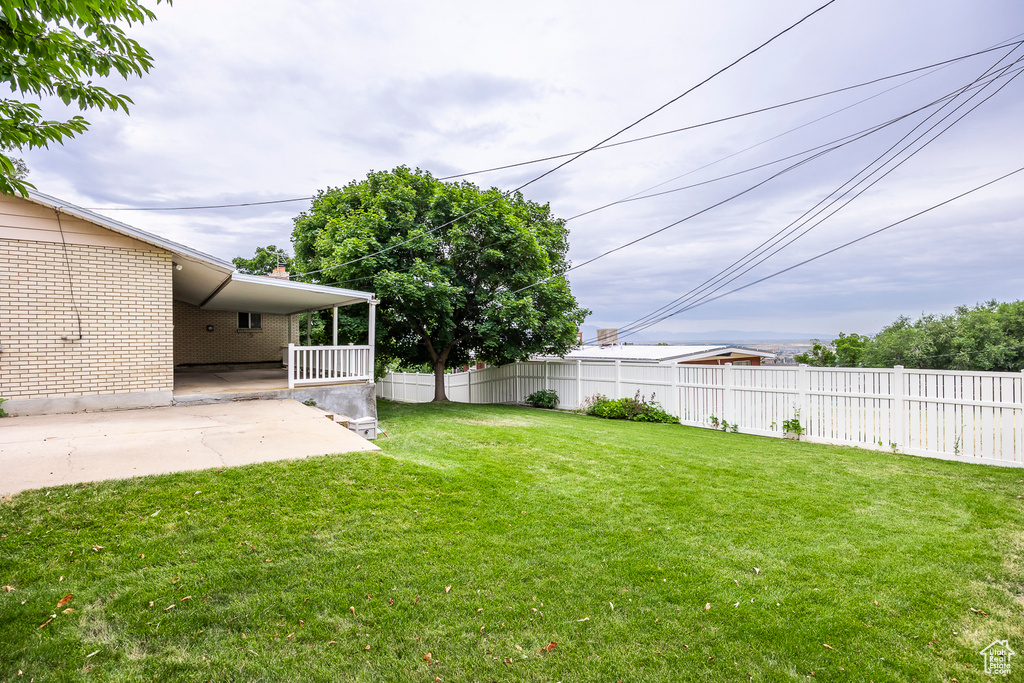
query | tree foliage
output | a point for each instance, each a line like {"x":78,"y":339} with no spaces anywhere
{"x":449,"y":282}
{"x":846,"y":350}
{"x":819,"y":355}
{"x":54,"y":48}
{"x":264,"y":262}
{"x":989,"y":336}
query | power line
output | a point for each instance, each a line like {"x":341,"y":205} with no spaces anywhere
{"x":577,"y":156}
{"x":848,"y":138}
{"x":733,"y":117}
{"x":727,"y":199}
{"x":563,"y":155}
{"x":848,"y":244}
{"x":652,"y":318}
{"x":658,"y":316}
{"x":197,"y":208}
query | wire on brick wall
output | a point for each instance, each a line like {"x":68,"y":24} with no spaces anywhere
{"x":71,"y":282}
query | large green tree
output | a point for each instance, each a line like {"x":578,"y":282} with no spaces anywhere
{"x":988,"y":336}
{"x":460,"y":272}
{"x":54,"y":48}
{"x":264,"y":261}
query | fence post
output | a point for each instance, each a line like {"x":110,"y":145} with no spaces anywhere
{"x":677,"y":401}
{"x":1020,"y":421}
{"x":545,"y":375}
{"x":469,"y":385}
{"x":802,"y":404}
{"x":618,"y":378}
{"x":580,"y":384}
{"x":896,"y":426}
{"x":727,"y":393}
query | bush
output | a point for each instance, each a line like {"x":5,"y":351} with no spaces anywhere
{"x":636,"y":409}
{"x":544,"y":398}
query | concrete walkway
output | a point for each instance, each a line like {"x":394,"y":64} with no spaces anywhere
{"x":50,"y":450}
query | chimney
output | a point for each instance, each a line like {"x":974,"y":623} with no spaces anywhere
{"x":280,"y":273}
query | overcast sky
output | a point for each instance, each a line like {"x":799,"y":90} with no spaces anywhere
{"x":262,"y":101}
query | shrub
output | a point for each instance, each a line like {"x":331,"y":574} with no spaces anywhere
{"x":636,"y":409}
{"x":543,"y":398}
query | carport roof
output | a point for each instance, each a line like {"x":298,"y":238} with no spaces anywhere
{"x":211,"y":283}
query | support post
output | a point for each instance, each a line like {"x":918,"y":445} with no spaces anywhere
{"x":1020,"y":422}
{"x":309,"y":328}
{"x":291,"y":365}
{"x":579,"y":384}
{"x":727,"y":399}
{"x":618,"y":379}
{"x":802,"y":385}
{"x":897,"y":429}
{"x":677,"y":401}
{"x":371,"y":334}
{"x":334,"y":338}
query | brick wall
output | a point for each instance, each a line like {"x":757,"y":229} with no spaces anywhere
{"x":124,"y":300}
{"x":194,"y":345}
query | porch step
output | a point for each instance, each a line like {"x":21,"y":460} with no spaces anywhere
{"x":343,"y":420}
{"x":365,"y":427}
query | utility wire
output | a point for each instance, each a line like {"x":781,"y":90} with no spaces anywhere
{"x":715,"y":205}
{"x":774,"y":241}
{"x":733,"y":117}
{"x":197,"y":208}
{"x":852,"y":137}
{"x":554,"y":157}
{"x":576,"y":156}
{"x":639,"y":196}
{"x":848,"y":244}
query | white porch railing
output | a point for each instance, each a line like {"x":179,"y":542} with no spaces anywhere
{"x":328,"y":364}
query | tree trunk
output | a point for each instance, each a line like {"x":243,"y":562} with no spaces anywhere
{"x":439,"y":395}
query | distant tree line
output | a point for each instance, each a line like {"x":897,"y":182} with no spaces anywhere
{"x":989,"y":336}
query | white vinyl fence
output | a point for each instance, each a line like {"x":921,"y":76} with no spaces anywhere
{"x":968,"y":416}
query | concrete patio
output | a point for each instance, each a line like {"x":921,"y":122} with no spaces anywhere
{"x":51,"y":450}
{"x":230,"y":381}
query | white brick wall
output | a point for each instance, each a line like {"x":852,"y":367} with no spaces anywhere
{"x":123,"y":297}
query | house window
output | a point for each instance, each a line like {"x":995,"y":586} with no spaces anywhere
{"x":250,"y":321}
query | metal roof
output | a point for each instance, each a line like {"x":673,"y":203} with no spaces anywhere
{"x":214,"y":284}
{"x":659,"y":354}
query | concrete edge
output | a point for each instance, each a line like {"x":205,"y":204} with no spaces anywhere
{"x":19,"y":407}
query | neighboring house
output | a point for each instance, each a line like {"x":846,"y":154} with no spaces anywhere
{"x":96,"y":314}
{"x":688,"y":355}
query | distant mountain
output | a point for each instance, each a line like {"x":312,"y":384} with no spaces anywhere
{"x":736,"y":336}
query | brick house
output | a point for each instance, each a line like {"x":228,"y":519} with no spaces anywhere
{"x":96,"y":314}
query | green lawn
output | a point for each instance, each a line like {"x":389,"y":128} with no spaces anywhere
{"x":482,"y":534}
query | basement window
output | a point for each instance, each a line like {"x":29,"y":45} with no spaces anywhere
{"x":250,"y":321}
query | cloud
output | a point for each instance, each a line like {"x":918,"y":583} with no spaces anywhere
{"x":250,"y":103}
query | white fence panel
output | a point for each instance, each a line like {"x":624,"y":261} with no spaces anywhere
{"x":968,"y":416}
